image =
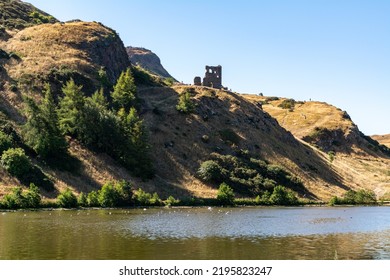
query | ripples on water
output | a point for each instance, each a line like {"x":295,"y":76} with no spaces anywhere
{"x":200,"y":233}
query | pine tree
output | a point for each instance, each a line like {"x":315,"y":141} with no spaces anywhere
{"x":71,"y":109}
{"x":99,"y":99}
{"x":41,"y":130}
{"x":56,"y":145}
{"x":138,"y":158}
{"x":125,"y":90}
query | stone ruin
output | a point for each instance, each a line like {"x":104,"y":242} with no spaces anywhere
{"x":212,"y":78}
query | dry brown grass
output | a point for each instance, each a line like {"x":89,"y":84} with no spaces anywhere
{"x":357,"y":168}
{"x":46,"y":46}
{"x":382,"y":139}
{"x":305,"y":116}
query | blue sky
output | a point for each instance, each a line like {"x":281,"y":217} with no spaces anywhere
{"x":336,"y":51}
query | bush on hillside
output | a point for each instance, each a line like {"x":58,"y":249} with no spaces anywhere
{"x":5,"y":142}
{"x":15,"y":161}
{"x":185,"y":105}
{"x":245,"y":174}
{"x":225,"y":195}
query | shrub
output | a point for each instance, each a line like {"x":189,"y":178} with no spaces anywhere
{"x":142,"y":198}
{"x":246,"y":175}
{"x":32,"y":197}
{"x":67,"y":199}
{"x":288,"y":104}
{"x":19,"y":199}
{"x":185,"y":105}
{"x":355,"y":197}
{"x":82,"y":200}
{"x":225,"y":195}
{"x":16,"y":162}
{"x":93,"y":199}
{"x":155,"y":200}
{"x":171,"y":201}
{"x":209,"y":170}
{"x":5,"y":142}
{"x":14,"y":199}
{"x":108,"y":196}
{"x":281,"y":196}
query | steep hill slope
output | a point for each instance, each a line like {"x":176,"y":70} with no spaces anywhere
{"x":179,"y":147}
{"x":316,"y":143}
{"x":147,"y":60}
{"x":360,"y":160}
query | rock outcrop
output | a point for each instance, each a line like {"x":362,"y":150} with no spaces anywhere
{"x":147,"y":60}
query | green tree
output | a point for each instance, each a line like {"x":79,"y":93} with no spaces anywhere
{"x":282,"y":196}
{"x":108,"y":195}
{"x":99,"y":99}
{"x":137,"y":155}
{"x":125,"y":90}
{"x":32,"y":197}
{"x":225,"y":194}
{"x":71,"y":111}
{"x":41,"y":130}
{"x":67,"y":199}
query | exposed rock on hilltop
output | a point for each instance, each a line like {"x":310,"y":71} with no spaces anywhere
{"x":64,"y":50}
{"x":147,"y":60}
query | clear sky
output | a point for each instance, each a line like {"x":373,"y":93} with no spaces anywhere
{"x":336,"y":51}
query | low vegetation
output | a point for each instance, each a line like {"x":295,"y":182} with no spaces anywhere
{"x":185,"y":105}
{"x":245,"y":174}
{"x":351,"y":197}
{"x":288,"y":104}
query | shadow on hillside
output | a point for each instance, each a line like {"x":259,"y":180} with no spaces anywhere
{"x":180,"y":136}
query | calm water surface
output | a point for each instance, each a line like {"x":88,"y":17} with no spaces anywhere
{"x":199,"y":233}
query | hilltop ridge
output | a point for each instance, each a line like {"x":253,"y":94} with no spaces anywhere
{"x":147,"y":60}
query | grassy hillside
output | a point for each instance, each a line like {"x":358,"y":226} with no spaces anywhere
{"x":256,"y":142}
{"x":383,"y":139}
{"x":359,"y":160}
{"x":56,"y":52}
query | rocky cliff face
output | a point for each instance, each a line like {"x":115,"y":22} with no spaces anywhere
{"x":147,"y":60}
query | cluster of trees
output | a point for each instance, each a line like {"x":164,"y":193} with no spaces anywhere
{"x":246,"y":174}
{"x":355,"y":197}
{"x":20,"y":198}
{"x":104,"y":124}
{"x":279,"y":196}
{"x":111,"y":194}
